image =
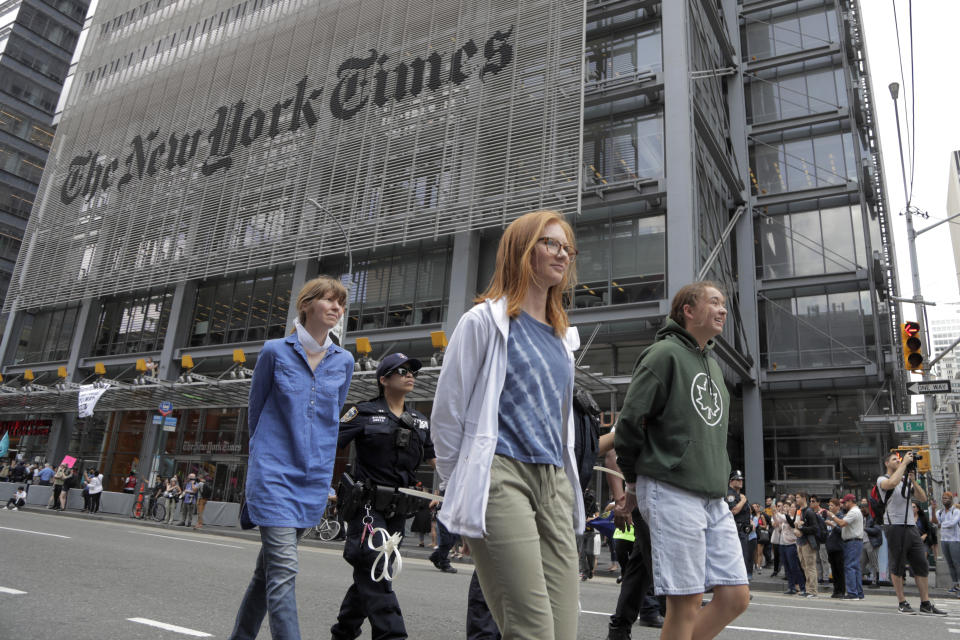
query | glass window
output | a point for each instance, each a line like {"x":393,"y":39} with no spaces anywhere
{"x":245,"y":308}
{"x":620,"y":261}
{"x":46,"y":335}
{"x":43,"y":25}
{"x":625,"y":55}
{"x":623,"y":149}
{"x":791,"y":27}
{"x":28,"y":90}
{"x":135,"y":323}
{"x":24,"y":127}
{"x":786,"y":162}
{"x":829,"y":240}
{"x":406,"y":287}
{"x":37,"y":59}
{"x":817,"y":331}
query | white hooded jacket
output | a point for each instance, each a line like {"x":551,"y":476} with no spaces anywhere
{"x":465,"y":419}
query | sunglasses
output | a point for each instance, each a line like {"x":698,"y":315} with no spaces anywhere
{"x":404,"y":372}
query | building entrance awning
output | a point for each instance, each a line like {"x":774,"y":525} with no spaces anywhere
{"x":216,"y":394}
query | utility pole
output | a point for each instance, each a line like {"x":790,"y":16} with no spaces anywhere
{"x":929,"y":400}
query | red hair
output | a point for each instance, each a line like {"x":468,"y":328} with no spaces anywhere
{"x":514,"y":274}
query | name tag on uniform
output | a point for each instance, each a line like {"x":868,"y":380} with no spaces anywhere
{"x":378,"y":419}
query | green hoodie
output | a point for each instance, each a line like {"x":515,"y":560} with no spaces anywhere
{"x":673,"y":426}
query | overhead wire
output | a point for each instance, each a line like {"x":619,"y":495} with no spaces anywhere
{"x":913,"y":103}
{"x":903,"y":83}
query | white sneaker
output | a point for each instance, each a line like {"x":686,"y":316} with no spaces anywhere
{"x":15,"y":509}
{"x":5,"y":508}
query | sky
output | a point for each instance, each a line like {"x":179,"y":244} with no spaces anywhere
{"x":937,"y":96}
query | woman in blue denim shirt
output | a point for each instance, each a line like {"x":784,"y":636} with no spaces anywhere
{"x":299,"y":386}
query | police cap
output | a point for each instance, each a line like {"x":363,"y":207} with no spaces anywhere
{"x":736,"y":474}
{"x":395,"y":361}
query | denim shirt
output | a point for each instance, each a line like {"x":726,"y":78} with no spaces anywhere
{"x":294,"y":418}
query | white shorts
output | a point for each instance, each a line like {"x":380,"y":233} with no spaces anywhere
{"x":694,"y":540}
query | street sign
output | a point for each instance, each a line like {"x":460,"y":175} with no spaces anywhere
{"x":909,"y":426}
{"x":166,"y":408}
{"x":169,"y":423}
{"x":929,"y":387}
{"x":157,"y":418}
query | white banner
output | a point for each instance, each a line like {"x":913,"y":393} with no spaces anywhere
{"x":88,"y":397}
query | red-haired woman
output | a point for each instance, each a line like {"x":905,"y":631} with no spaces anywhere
{"x":503,"y":433}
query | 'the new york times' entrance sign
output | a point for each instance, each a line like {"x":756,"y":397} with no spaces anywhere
{"x":192,"y":138}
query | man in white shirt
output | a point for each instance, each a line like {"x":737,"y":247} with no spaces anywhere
{"x":948,"y":517}
{"x":897,"y":489}
{"x":852,"y":534}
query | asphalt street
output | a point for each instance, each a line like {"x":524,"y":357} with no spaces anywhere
{"x":90,"y":579}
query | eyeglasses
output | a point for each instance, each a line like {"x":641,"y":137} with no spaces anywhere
{"x":554,"y":246}
{"x":404,"y":372}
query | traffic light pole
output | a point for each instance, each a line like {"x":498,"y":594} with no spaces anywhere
{"x":929,"y":401}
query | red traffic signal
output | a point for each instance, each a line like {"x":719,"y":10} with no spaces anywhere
{"x":912,"y":345}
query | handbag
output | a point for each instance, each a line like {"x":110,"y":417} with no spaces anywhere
{"x":763,"y":536}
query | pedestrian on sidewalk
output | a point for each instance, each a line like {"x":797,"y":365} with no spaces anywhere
{"x":58,"y":479}
{"x":872,"y":541}
{"x":789,"y":556}
{"x":948,"y":517}
{"x":18,"y":500}
{"x":504,"y":433}
{"x":172,"y":496}
{"x":299,"y":385}
{"x":94,"y":489}
{"x":852,"y":534}
{"x":188,"y":508}
{"x":834,"y":548}
{"x":204,"y":493}
{"x":807,"y":545}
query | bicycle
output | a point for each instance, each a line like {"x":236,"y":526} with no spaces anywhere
{"x":328,"y":528}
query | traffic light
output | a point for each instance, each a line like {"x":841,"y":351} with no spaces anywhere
{"x":912,"y":343}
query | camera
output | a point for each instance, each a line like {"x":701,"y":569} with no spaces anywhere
{"x":917,"y":456}
{"x":402,"y":438}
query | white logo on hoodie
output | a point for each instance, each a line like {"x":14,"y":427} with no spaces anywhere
{"x":706,"y":398}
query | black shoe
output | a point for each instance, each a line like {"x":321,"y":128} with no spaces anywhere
{"x":906,"y":608}
{"x":790,"y":592}
{"x":928,"y":609}
{"x":618,"y":633}
{"x":837,"y":595}
{"x":655,"y":622}
{"x":850,"y":596}
{"x":447,"y":569}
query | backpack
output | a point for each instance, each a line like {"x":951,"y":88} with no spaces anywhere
{"x":878,"y":505}
{"x":821,"y":534}
{"x":206,"y":491}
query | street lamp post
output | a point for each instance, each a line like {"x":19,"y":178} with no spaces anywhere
{"x":929,"y":411}
{"x":341,"y":329}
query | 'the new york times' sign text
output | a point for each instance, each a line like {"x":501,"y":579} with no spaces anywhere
{"x":193,"y":137}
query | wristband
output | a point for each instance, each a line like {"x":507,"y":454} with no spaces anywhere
{"x":630,"y":488}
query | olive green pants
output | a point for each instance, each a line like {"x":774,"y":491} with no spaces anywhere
{"x":527,"y":563}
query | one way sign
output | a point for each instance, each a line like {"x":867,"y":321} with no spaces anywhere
{"x":929,"y":387}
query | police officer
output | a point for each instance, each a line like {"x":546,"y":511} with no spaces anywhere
{"x":737,"y":501}
{"x":391,"y":440}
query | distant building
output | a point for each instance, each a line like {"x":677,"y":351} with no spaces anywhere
{"x":953,"y":208}
{"x":36,"y":48}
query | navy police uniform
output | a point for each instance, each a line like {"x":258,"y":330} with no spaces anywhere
{"x":742,"y":520}
{"x":387,"y":458}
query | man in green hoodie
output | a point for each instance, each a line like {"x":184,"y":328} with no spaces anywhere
{"x":671,"y":442}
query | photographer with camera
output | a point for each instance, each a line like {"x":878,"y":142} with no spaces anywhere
{"x":391,"y":440}
{"x":897,"y":487}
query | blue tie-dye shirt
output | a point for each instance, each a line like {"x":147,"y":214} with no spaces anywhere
{"x":531,"y":403}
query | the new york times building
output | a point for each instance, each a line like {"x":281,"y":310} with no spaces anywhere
{"x":213,"y":156}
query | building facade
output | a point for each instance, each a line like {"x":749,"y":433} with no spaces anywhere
{"x":953,"y":208}
{"x":36,"y":47}
{"x":750,"y":159}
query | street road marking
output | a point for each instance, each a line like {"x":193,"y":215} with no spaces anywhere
{"x":13,"y":592}
{"x":216,"y":544}
{"x":954,"y":630}
{"x":171,"y":627}
{"x":39,"y":533}
{"x":774,"y":631}
{"x":794,"y":633}
{"x":827,"y":609}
